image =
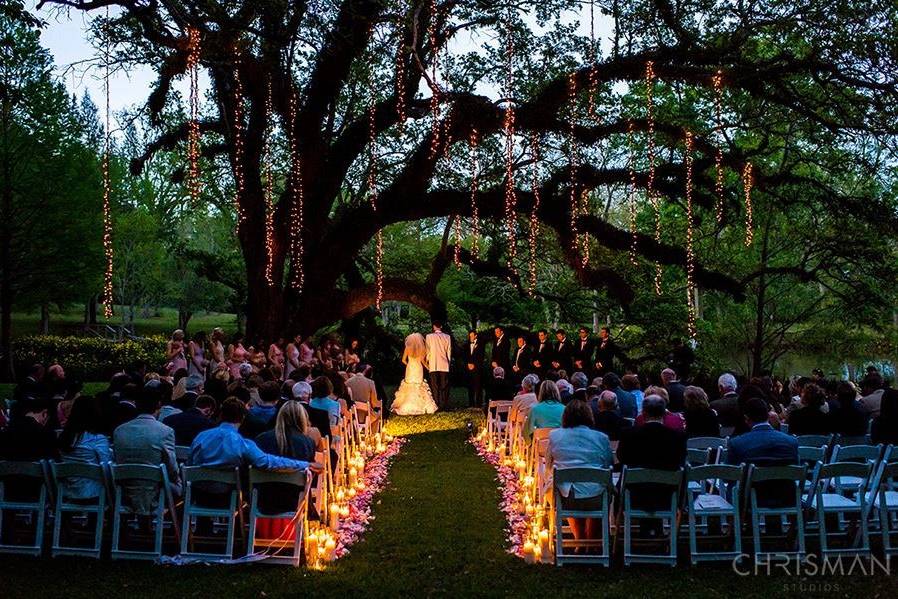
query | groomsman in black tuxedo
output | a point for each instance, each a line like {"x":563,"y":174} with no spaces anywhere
{"x":523,"y":359}
{"x":606,"y":351}
{"x":542,"y":354}
{"x":583,"y":350}
{"x":473,"y":355}
{"x":501,"y":356}
{"x":564,"y":352}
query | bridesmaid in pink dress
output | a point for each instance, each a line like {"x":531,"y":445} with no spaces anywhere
{"x":276,"y":355}
{"x":293,"y":356}
{"x":306,"y":351}
{"x":217,"y":349}
{"x":236,"y":356}
{"x":177,"y":359}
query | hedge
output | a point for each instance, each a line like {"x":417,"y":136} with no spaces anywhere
{"x":87,"y":358}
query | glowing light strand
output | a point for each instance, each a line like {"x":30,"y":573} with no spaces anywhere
{"x":631,"y":195}
{"x":584,"y":237}
{"x":690,"y":250}
{"x":574,"y":159}
{"x":747,"y":183}
{"x":400,"y":82}
{"x":473,"y":140}
{"x":193,"y":132}
{"x":297,"y":201}
{"x":509,"y":128}
{"x":268,"y":172}
{"x":372,"y":195}
{"x":108,"y":251}
{"x":650,"y":187}
{"x":239,"y":143}
{"x":594,"y":65}
{"x":718,"y":157}
{"x":533,"y":232}
{"x":435,"y":97}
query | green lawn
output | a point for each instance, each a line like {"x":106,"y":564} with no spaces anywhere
{"x":437,"y":532}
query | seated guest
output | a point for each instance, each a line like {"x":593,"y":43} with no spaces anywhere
{"x":762,"y":445}
{"x":809,"y":419}
{"x":260,"y":417}
{"x":652,"y":445}
{"x":27,"y":438}
{"x":672,"y":420}
{"x":701,"y":420}
{"x":872,"y":387}
{"x":884,"y":428}
{"x":727,"y":406}
{"x":318,"y":419}
{"x":322,"y":389}
{"x":166,"y":409}
{"x":64,"y":407}
{"x":524,"y":400}
{"x":189,"y":423}
{"x":605,"y":416}
{"x":145,"y":440}
{"x":364,"y":390}
{"x":193,"y":388}
{"x":82,"y":441}
{"x":499,"y":388}
{"x":126,"y":408}
{"x":675,"y":390}
{"x":579,"y":381}
{"x":546,"y":413}
{"x":846,"y":417}
{"x":630,"y":384}
{"x":565,"y":388}
{"x":626,"y":401}
{"x":224,"y":447}
{"x":576,"y":445}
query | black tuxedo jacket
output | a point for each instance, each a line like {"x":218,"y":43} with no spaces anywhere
{"x":564,"y":354}
{"x":475,"y":357}
{"x":583,"y":354}
{"x":502,"y":353}
{"x":544,"y":354}
{"x":524,"y":359}
{"x":606,"y":354}
{"x":652,"y":445}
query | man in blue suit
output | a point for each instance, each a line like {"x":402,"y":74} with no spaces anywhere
{"x":764,"y":446}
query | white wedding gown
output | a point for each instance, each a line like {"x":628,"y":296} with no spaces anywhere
{"x":413,"y":396}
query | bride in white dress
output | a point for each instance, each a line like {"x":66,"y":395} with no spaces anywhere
{"x":413,"y":395}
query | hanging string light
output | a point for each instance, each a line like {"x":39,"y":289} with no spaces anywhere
{"x":193,"y":132}
{"x":107,"y":298}
{"x":574,"y":159}
{"x":268,"y":172}
{"x":533,"y":232}
{"x":372,"y":194}
{"x":297,"y":209}
{"x":650,"y":187}
{"x":690,"y":251}
{"x":435,"y":96}
{"x":631,"y":196}
{"x":473,"y":140}
{"x":584,"y":237}
{"x":239,"y":149}
{"x":400,"y":81}
{"x":718,"y":157}
{"x":509,"y":128}
{"x":749,"y":216}
{"x":594,"y":64}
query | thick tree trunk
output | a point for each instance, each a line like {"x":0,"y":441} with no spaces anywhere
{"x":6,"y":287}
{"x":45,"y":320}
{"x":184,"y":317}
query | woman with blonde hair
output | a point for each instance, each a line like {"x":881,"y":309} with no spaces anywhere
{"x":175,"y":352}
{"x":292,"y":437}
{"x":413,"y":395}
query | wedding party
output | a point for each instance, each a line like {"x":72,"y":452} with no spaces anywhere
{"x":448,"y":297}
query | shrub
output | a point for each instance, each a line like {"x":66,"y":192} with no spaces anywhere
{"x":88,"y":358}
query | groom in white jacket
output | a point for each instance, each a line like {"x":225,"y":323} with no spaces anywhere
{"x":439,"y":353}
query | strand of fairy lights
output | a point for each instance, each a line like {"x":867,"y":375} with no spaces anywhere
{"x":297,"y":208}
{"x":631,"y":195}
{"x":747,"y":183}
{"x":108,"y":251}
{"x":372,"y":194}
{"x":435,"y":96}
{"x":574,"y":166}
{"x":268,"y":171}
{"x":239,"y":148}
{"x":509,"y":128}
{"x":690,"y":250}
{"x":400,"y":82}
{"x":593,"y":59}
{"x":718,"y":157}
{"x":193,"y":132}
{"x":584,"y":237}
{"x":473,"y":140}
{"x":650,"y":187}
{"x":533,"y":232}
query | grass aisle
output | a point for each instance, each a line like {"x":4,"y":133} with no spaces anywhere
{"x":438,"y":532}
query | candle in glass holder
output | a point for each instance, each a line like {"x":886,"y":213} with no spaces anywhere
{"x":330,"y":549}
{"x":537,"y":554}
{"x":529,"y":555}
{"x":544,"y":543}
{"x":312,"y":549}
{"x":341,"y":495}
{"x":352,"y":475}
{"x":344,"y":512}
{"x":350,"y":492}
{"x":334,"y":515}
